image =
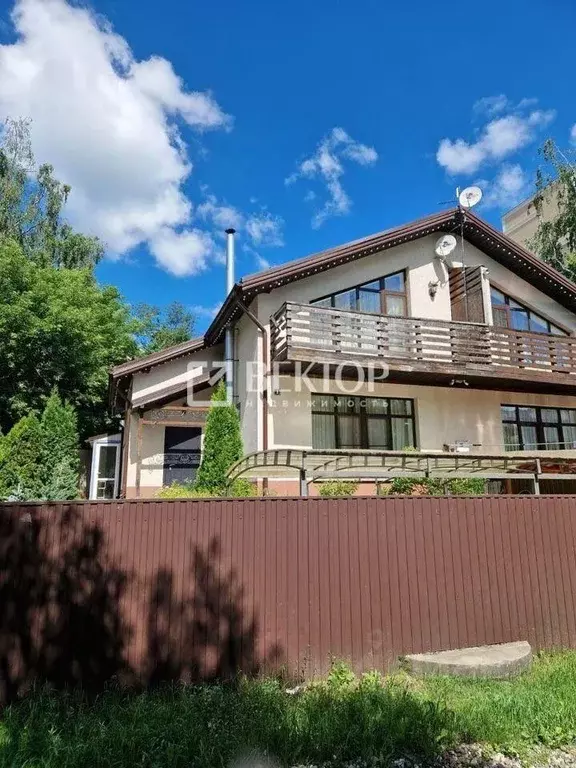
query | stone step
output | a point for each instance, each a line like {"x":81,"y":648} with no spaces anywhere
{"x":503,"y":660}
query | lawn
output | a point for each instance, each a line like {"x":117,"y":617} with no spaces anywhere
{"x":339,"y":720}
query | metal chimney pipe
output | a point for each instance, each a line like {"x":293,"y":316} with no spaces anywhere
{"x":230,"y":259}
{"x":229,"y":336}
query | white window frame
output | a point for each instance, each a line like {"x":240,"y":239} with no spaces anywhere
{"x":97,"y":445}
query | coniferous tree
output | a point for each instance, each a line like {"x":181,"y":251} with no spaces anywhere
{"x":222,"y":443}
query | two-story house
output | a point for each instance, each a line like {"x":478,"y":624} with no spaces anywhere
{"x":380,"y":345}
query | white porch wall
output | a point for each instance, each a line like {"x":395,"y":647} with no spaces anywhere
{"x":152,"y":449}
{"x":443,"y":414}
{"x":158,"y":379}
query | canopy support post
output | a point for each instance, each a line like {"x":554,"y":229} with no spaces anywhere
{"x":303,"y":483}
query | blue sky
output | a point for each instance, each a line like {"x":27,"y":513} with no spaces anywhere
{"x":307,"y":124}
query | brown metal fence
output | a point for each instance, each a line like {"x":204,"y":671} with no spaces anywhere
{"x":151,"y":590}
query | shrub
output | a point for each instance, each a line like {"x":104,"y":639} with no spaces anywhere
{"x":222,"y":443}
{"x":332,"y":488}
{"x":23,"y":452}
{"x":470,"y":486}
{"x":435,"y":486}
{"x":240,"y":488}
{"x":61,"y":457}
{"x":180,"y":491}
{"x":39,"y":458}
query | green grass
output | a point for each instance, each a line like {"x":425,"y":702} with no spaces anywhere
{"x":536,"y":708}
{"x":342,"y":719}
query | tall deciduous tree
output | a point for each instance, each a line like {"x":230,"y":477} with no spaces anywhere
{"x":31,"y":206}
{"x":58,"y":328}
{"x":555,"y":240}
{"x":157,"y":329}
{"x":222,"y":443}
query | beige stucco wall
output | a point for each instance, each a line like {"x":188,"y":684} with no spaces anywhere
{"x":418,"y":259}
{"x":175,"y":372}
{"x":443,"y":414}
{"x":522,"y":222}
{"x":248,"y":353}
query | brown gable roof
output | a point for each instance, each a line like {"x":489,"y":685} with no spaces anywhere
{"x":476,"y":231}
{"x":156,"y":358}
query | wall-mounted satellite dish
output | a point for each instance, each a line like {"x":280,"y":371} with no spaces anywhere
{"x":445,"y":245}
{"x":470,"y":197}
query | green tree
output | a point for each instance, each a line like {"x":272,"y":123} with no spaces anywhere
{"x":21,"y":459}
{"x":39,"y":458}
{"x":555,"y":239}
{"x":58,"y":328}
{"x":222,"y":443}
{"x":61,"y":449}
{"x":31,"y":206}
{"x":157,"y":329}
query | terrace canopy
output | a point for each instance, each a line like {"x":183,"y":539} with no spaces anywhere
{"x":380,"y":466}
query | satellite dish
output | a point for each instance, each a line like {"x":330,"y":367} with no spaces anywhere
{"x":445,"y":245}
{"x":470,"y":197}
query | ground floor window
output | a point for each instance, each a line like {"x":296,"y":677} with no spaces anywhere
{"x":384,"y":423}
{"x":531,"y":428}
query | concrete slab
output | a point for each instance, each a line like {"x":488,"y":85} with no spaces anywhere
{"x":503,"y":660}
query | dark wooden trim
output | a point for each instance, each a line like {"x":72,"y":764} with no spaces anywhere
{"x":538,"y":424}
{"x":530,"y":307}
{"x":364,"y":417}
{"x":418,"y":349}
{"x":382,"y":292}
{"x":138,"y":452}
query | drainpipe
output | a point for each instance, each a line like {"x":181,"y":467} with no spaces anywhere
{"x":229,"y":336}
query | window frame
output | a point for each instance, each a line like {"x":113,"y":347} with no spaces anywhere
{"x":364,"y":417}
{"x":539,"y":425}
{"x":381,"y":291}
{"x":530,"y":313}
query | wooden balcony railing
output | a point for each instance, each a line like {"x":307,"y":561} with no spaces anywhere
{"x":316,"y":334}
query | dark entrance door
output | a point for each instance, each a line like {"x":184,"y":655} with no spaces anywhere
{"x":181,"y":454}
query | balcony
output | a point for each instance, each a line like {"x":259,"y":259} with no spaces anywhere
{"x":424,"y":351}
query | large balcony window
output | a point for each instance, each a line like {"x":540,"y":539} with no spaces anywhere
{"x":386,"y":296}
{"x":362,"y":422}
{"x":508,"y":313}
{"x":532,"y":428}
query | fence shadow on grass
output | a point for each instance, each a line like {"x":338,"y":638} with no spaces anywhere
{"x":207,"y":635}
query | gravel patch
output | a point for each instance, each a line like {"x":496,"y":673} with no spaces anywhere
{"x":464,"y":756}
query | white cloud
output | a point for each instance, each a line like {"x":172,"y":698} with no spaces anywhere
{"x":208,"y":312}
{"x":265,"y":229}
{"x":109,"y":125}
{"x":491,"y":105}
{"x":510,"y":186}
{"x":262,"y":262}
{"x":573,"y":134}
{"x":221,"y":215}
{"x":182,"y":253}
{"x":326,"y":165}
{"x":499,"y":138}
